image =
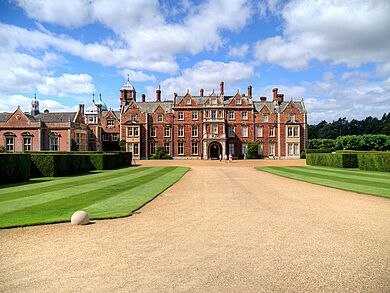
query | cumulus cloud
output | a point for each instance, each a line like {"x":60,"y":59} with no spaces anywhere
{"x":350,"y":32}
{"x":66,"y":84}
{"x":239,"y":51}
{"x":137,"y":75}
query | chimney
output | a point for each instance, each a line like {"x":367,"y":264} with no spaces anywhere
{"x":221,"y":88}
{"x":99,"y":108}
{"x":174,"y":98}
{"x":81,"y":109}
{"x":158,"y":94}
{"x":263,"y":99}
{"x":280,"y":98}
{"x":201,"y":92}
{"x":250,"y":91}
{"x":143,"y":98}
{"x":275,"y":94}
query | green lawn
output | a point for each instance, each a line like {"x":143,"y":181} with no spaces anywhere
{"x":108,"y":194}
{"x":375,"y":183}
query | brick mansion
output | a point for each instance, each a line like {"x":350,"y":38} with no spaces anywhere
{"x":188,"y":126}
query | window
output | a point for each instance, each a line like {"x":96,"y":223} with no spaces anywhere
{"x":53,"y":142}
{"x":213,"y":101}
{"x":188,"y":101}
{"x":292,"y":131}
{"x":260,"y":149}
{"x":180,"y":131}
{"x":238,"y":102}
{"x":244,"y":131}
{"x":231,"y":148}
{"x":213,"y":114}
{"x":91,"y":134}
{"x":135,"y":149}
{"x":180,"y":115}
{"x":180,"y":148}
{"x":10,"y":144}
{"x":296,"y":149}
{"x":243,"y":148}
{"x":133,"y":131}
{"x":232,"y":132}
{"x":272,"y":149}
{"x":265,"y":117}
{"x":296,"y":131}
{"x":90,"y":119}
{"x":194,"y":115}
{"x":152,"y":147}
{"x":114,"y":137}
{"x":214,"y":129}
{"x":133,"y":117}
{"x":293,"y":149}
{"x":194,"y":148}
{"x":231,"y":115}
{"x":194,"y":131}
{"x":167,"y":148}
{"x":292,"y":117}
{"x":271,"y":131}
{"x":160,"y":118}
{"x":77,"y":139}
{"x":259,"y":131}
{"x":110,"y":123}
{"x":104,"y":137}
{"x":27,"y":143}
{"x":244,"y":115}
{"x":153,"y":131}
{"x":167,"y":131}
{"x":207,"y":114}
{"x":220,"y":114}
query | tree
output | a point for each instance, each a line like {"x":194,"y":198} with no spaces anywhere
{"x":122,"y":145}
{"x":252,"y":150}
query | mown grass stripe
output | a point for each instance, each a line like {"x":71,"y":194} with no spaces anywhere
{"x":370,"y":174}
{"x":332,"y":177}
{"x":343,"y":175}
{"x":283,"y":171}
{"x":62,"y":208}
{"x":21,"y":203}
{"x":128,"y":201}
{"x":54,"y":181}
{"x":59,"y":184}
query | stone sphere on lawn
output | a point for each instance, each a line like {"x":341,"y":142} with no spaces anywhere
{"x":79,"y":218}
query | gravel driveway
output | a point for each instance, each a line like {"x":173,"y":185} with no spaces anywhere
{"x":222,"y":228}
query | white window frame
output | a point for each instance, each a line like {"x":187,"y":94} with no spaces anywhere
{"x":167,"y":131}
{"x":265,"y":117}
{"x":188,"y":101}
{"x":259,"y":131}
{"x":232,"y":115}
{"x":167,"y":147}
{"x":27,"y":143}
{"x":292,"y":117}
{"x":194,"y":131}
{"x":54,"y":146}
{"x":272,"y":131}
{"x":272,"y":149}
{"x":244,"y":115}
{"x":152,"y":147}
{"x":213,"y":114}
{"x":160,"y":118}
{"x":153,"y":131}
{"x":180,"y":115}
{"x":110,"y":123}
{"x":114,"y":136}
{"x":244,"y":148}
{"x":10,"y":144}
{"x":244,"y":131}
{"x":195,"y":148}
{"x":180,"y":131}
{"x":180,"y":148}
{"x":136,"y":149}
{"x":104,"y":137}
{"x":214,"y":129}
{"x":238,"y":102}
{"x":194,"y":115}
{"x":133,"y":117}
{"x":231,"y":148}
{"x":232,"y":131}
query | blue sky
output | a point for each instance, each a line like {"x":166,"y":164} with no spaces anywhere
{"x":337,"y":61}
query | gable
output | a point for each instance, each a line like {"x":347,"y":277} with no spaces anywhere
{"x":291,"y":107}
{"x":233,"y":101}
{"x":18,"y":117}
{"x":159,"y":110}
{"x":183,"y":101}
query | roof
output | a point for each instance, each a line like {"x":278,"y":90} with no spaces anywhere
{"x":128,"y":86}
{"x":57,"y":117}
{"x":5,"y":116}
{"x":150,"y":107}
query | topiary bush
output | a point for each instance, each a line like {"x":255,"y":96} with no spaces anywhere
{"x":14,"y":168}
{"x":252,"y":150}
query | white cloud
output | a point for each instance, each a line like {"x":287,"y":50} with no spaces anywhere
{"x":351,"y":32}
{"x":67,"y":84}
{"x":239,"y":51}
{"x":137,"y":75}
{"x":71,"y":13}
{"x":11,"y":102}
{"x":207,"y":75}
{"x":383,"y":69}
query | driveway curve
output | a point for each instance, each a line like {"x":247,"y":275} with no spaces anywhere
{"x":222,"y":228}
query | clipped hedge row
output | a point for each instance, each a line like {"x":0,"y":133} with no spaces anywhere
{"x":106,"y":161}
{"x":53,"y":165}
{"x":14,"y":168}
{"x":374,"y":162}
{"x":332,"y":160}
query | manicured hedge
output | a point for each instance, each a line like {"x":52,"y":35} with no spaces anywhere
{"x":315,"y":151}
{"x":52,"y":165}
{"x":332,"y":160}
{"x":374,"y":161}
{"x":106,"y":161}
{"x":14,"y":168}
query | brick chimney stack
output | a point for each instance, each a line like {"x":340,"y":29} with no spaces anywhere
{"x":250,"y":91}
{"x":143,"y":98}
{"x":201,"y":92}
{"x":275,"y":94}
{"x":158,"y":94}
{"x":263,"y":99}
{"x":221,"y":88}
{"x":81,"y":109}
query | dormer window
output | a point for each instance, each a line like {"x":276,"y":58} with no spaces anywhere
{"x":238,"y":102}
{"x":133,"y":117}
{"x":292,"y":117}
{"x":160,"y":118}
{"x":213,"y":101}
{"x":188,"y":101}
{"x":265,"y":117}
{"x":110,"y":123}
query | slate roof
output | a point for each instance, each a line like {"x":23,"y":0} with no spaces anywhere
{"x":271,"y":106}
{"x":58,"y":117}
{"x":5,"y":116}
{"x":150,"y":107}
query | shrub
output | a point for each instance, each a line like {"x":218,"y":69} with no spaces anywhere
{"x":322,"y":143}
{"x":122,"y":145}
{"x":311,"y":151}
{"x":332,"y":160}
{"x":106,"y":161}
{"x":252,"y":150}
{"x":303,"y":155}
{"x":14,"y":168}
{"x":53,"y":164}
{"x":160,"y":155}
{"x":2,"y":149}
{"x":374,"y":161}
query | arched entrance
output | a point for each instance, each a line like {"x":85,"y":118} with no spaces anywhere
{"x":215,"y":149}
